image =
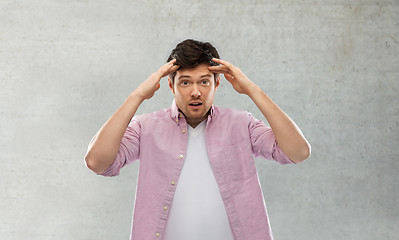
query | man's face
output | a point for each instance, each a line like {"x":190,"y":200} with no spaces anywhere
{"x":194,"y":90}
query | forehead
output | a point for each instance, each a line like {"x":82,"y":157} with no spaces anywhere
{"x":196,"y":72}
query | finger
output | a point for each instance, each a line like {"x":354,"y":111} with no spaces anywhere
{"x":233,"y":70}
{"x":168,"y":68}
{"x":168,"y":65}
{"x":229,"y":77}
{"x":223,"y":62}
{"x":166,"y":71}
{"x":219,"y":69}
{"x":172,"y":61}
{"x":173,"y":69}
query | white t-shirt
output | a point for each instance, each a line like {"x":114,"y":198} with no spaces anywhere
{"x":197,"y":210}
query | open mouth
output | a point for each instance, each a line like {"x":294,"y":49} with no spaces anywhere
{"x":195,"y":104}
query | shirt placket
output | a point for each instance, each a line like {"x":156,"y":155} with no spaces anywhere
{"x":224,"y":190}
{"x":180,"y":154}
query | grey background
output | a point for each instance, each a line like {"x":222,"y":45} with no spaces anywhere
{"x":332,"y":66}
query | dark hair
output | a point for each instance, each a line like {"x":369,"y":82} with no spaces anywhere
{"x":190,"y":53}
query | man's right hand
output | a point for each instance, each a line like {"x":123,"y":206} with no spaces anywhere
{"x":105,"y":144}
{"x":148,"y":88}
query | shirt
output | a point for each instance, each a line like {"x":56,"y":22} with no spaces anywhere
{"x":197,"y":210}
{"x":233,"y":139}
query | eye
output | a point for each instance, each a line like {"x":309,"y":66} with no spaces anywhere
{"x":184,"y":83}
{"x":205,"y":82}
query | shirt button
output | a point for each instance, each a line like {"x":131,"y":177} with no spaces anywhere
{"x":181,"y":156}
{"x":180,"y":115}
{"x":173,"y":183}
{"x":184,"y":130}
{"x":157,"y":234}
{"x":165,"y":208}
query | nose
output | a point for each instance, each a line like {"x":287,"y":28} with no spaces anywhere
{"x":195,"y":93}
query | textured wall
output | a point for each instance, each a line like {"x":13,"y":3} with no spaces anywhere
{"x":65,"y":66}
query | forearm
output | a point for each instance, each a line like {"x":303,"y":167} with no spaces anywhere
{"x":288,"y":135}
{"x":104,"y":146}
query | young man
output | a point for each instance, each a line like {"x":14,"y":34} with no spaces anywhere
{"x":197,"y":176}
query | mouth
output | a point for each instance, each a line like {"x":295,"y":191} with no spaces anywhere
{"x":195,"y":105}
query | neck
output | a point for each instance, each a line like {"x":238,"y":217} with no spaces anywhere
{"x":195,"y":122}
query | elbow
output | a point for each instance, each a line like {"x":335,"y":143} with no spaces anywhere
{"x":303,"y":154}
{"x":91,"y":163}
{"x":306,"y":153}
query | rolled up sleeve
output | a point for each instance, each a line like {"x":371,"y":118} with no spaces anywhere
{"x":129,"y":149}
{"x":264,"y":142}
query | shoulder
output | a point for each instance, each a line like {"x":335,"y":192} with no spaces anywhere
{"x":236,"y":118}
{"x":231,"y":113}
{"x":151,"y":117}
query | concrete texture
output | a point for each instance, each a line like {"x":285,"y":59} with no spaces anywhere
{"x":65,"y":66}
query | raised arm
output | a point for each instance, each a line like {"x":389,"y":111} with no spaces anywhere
{"x":104,"y":146}
{"x":288,"y":135}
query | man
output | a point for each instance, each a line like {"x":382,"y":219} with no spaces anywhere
{"x":197,"y":176}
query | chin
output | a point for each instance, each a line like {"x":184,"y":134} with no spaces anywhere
{"x":196,"y":116}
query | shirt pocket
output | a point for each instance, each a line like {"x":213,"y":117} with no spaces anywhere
{"x":238,"y":160}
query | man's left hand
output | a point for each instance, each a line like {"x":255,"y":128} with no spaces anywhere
{"x":234,"y":75}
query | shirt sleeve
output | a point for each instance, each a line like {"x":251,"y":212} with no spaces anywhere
{"x":129,"y":149}
{"x":264,"y":142}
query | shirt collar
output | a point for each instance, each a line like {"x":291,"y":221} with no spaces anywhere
{"x":175,"y":113}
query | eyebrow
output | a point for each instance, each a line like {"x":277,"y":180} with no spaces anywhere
{"x":206,"y":75}
{"x":188,"y":76}
{"x":184,"y":76}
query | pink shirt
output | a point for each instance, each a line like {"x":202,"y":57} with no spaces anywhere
{"x":233,"y":138}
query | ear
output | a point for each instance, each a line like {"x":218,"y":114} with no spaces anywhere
{"x":171,"y":85}
{"x":217,"y":83}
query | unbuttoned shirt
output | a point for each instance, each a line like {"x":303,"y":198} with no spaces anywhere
{"x":233,"y":138}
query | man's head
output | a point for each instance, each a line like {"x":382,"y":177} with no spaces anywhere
{"x":193,"y":84}
{"x":190,"y":53}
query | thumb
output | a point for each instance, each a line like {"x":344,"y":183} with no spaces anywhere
{"x":229,"y":77}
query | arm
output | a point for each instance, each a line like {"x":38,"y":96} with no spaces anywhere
{"x":104,"y":146}
{"x":288,"y":135}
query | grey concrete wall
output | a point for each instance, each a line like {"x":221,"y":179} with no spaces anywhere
{"x":65,"y":66}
